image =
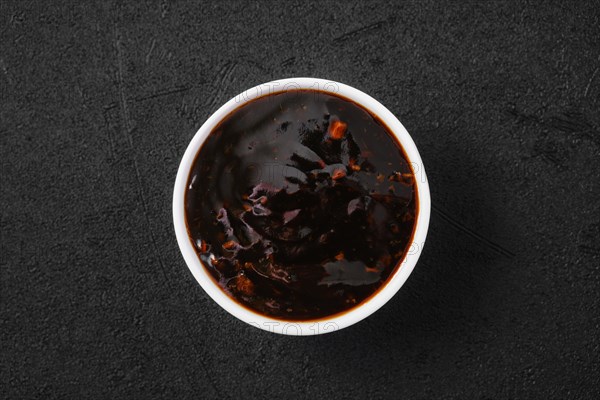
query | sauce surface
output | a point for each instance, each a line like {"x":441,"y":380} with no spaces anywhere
{"x":301,"y":204}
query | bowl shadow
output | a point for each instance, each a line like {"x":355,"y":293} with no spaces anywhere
{"x":440,"y":301}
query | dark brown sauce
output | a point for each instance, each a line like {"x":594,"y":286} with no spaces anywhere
{"x":301,"y":205}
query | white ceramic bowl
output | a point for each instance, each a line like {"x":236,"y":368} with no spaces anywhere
{"x":338,"y":321}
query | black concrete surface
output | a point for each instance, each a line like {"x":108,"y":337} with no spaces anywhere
{"x":99,"y":101}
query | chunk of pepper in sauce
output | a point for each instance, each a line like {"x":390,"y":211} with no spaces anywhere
{"x":337,"y":129}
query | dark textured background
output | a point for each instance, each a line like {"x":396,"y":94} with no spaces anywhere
{"x":100,"y":101}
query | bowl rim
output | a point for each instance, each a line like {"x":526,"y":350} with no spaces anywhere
{"x":337,"y":321}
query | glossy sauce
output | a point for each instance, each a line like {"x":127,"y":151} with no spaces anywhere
{"x":301,"y":205}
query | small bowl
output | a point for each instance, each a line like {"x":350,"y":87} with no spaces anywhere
{"x":337,"y":321}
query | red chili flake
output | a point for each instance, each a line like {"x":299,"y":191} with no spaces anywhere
{"x":229,"y":245}
{"x":405,"y":178}
{"x":339,"y":256}
{"x":204,"y":247}
{"x":353,"y":165}
{"x":380,"y":178}
{"x":337,"y":129}
{"x":338,"y":174}
{"x":385,"y":260}
{"x":371,"y":269}
{"x":262,"y":200}
{"x":244,"y":285}
{"x":247,"y":207}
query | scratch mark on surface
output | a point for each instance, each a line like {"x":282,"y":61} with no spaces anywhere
{"x":552,"y":159}
{"x":128,"y":130}
{"x":367,"y":28}
{"x":122,"y":97}
{"x":5,"y":71}
{"x":568,"y":122}
{"x":206,"y":370}
{"x":111,"y":142}
{"x":111,"y":106}
{"x":551,"y":152}
{"x":461,"y":227}
{"x":288,"y":62}
{"x":161,"y":93}
{"x":523,"y":117}
{"x":221,"y":83}
{"x":587,"y":88}
{"x":150,"y":51}
{"x":164,"y":8}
